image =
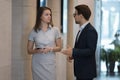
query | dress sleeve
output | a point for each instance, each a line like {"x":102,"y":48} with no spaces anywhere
{"x":31,"y":35}
{"x":57,"y":33}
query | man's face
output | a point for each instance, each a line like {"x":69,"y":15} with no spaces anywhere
{"x":77,"y":17}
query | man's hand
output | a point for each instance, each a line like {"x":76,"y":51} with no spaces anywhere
{"x":67,"y":51}
{"x":69,"y":59}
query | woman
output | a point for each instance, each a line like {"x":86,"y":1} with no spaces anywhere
{"x":47,"y":41}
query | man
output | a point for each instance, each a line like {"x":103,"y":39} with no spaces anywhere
{"x":83,"y":52}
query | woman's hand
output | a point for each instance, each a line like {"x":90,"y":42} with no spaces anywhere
{"x":39,"y":50}
{"x":47,"y":49}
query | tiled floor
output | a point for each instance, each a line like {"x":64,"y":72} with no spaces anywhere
{"x":108,"y":78}
{"x":103,"y":76}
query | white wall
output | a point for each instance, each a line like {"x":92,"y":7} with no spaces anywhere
{"x":23,"y":19}
{"x":5,"y":39}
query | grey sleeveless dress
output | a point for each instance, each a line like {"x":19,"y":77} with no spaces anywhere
{"x":44,"y":65}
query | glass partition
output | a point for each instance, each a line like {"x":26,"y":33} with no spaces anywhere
{"x":109,"y":31}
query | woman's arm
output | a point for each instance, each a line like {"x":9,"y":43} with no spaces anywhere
{"x":58,"y":45}
{"x":30,"y":48}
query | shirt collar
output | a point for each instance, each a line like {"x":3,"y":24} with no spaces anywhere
{"x":83,"y":26}
{"x":49,"y":27}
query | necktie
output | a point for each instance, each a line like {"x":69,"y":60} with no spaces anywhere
{"x":77,"y":35}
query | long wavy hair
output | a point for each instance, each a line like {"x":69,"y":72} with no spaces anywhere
{"x":38,"y":20}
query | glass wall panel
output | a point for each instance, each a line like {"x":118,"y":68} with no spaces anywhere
{"x":43,"y":2}
{"x":110,"y":31}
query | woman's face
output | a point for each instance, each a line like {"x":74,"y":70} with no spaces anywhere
{"x":46,"y":16}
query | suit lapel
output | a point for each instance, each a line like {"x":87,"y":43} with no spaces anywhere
{"x":81,"y":34}
{"x":77,"y":37}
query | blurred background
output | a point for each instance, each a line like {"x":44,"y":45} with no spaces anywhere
{"x":17,"y":18}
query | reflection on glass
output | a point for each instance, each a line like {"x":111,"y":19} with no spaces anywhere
{"x":43,"y":2}
{"x":65,"y":16}
{"x":110,"y":27}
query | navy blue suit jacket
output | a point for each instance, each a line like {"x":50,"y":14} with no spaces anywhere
{"x":84,"y":53}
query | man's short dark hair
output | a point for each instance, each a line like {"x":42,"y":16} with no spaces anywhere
{"x":84,"y":10}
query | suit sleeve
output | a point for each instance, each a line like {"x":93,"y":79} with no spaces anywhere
{"x":90,"y":48}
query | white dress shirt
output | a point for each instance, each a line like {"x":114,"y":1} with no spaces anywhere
{"x":80,"y":30}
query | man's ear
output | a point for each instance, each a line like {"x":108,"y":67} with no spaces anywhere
{"x":81,"y":16}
